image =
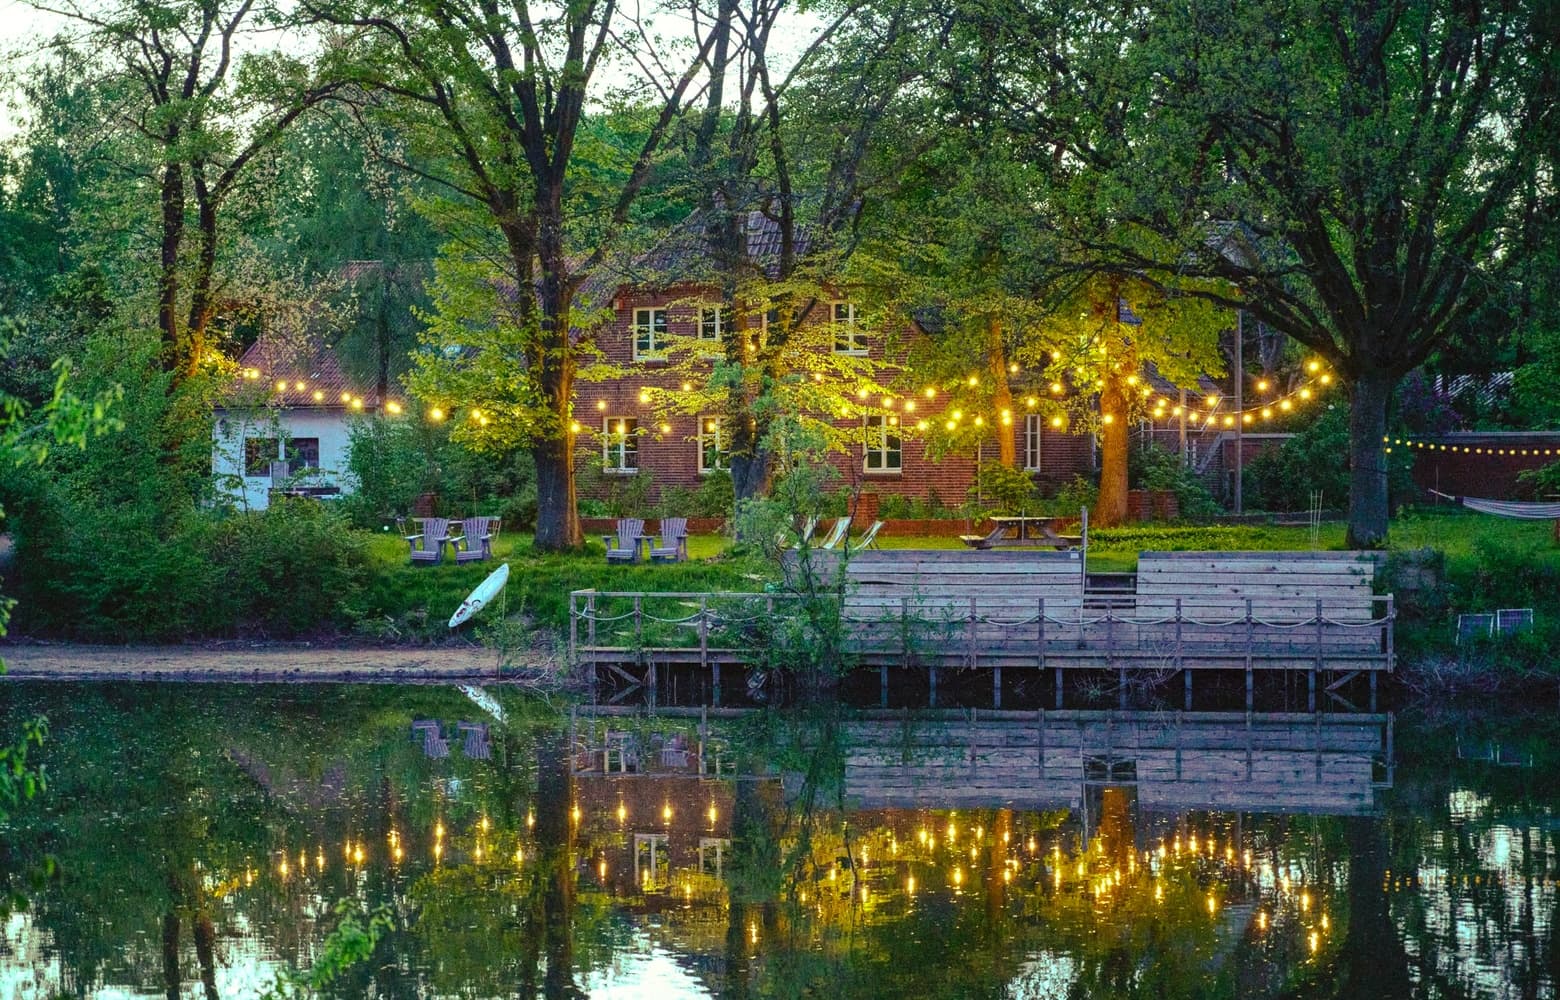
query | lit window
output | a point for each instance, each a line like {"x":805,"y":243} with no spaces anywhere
{"x":848,"y":337}
{"x":649,"y":333}
{"x":714,"y":452}
{"x":619,"y":444}
{"x":1034,"y":425}
{"x":882,"y":446}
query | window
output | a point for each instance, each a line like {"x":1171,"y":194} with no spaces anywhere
{"x":259,"y":453}
{"x":882,"y":445}
{"x":303,"y":453}
{"x":619,"y":444}
{"x":1034,"y":426}
{"x":714,"y":321}
{"x":649,"y":333}
{"x":714,"y":452}
{"x":848,"y":337}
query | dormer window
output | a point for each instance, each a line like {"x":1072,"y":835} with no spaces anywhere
{"x":650,"y":334}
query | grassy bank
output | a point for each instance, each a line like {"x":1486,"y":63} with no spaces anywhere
{"x":401,"y":601}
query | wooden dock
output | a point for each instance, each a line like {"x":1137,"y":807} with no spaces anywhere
{"x":1310,"y":612}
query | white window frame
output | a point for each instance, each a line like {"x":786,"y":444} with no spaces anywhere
{"x":849,"y":337}
{"x":719,"y":434}
{"x":645,"y":325}
{"x":714,"y":322}
{"x":1034,"y":427}
{"x":876,"y":432}
{"x":624,"y":443}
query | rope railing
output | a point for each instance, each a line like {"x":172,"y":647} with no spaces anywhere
{"x":588,"y":611}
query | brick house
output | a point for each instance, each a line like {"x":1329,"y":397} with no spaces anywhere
{"x":622,"y":435}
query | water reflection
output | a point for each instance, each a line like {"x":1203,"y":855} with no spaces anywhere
{"x":205,"y":837}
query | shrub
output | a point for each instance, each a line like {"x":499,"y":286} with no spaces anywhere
{"x":1150,"y":467}
{"x":1316,"y":460}
{"x":1003,"y":489}
{"x":289,"y":568}
{"x":391,"y":463}
{"x":1076,"y":494}
{"x":714,"y":497}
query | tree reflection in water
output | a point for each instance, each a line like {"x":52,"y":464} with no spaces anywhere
{"x":206,"y":835}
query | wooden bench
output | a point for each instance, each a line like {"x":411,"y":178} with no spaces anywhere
{"x":943,"y":583}
{"x":1278,"y":584}
{"x":1266,"y":602}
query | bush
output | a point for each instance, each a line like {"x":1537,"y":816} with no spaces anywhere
{"x":1150,"y":467}
{"x":1078,"y":493}
{"x":1002,"y":489}
{"x":289,"y":568}
{"x":1316,"y":460}
{"x":391,"y":463}
{"x":894,"y":506}
{"x":713,"y":498}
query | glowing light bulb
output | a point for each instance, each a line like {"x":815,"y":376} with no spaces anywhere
{"x":644,"y":395}
{"x":434,"y":413}
{"x":393,"y":407}
{"x":666,"y":812}
{"x":601,"y":404}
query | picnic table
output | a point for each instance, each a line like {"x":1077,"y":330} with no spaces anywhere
{"x":1022,"y":530}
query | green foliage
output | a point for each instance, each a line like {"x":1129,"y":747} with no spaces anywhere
{"x":713,"y":497}
{"x":1003,"y":489}
{"x":1074,"y":495}
{"x":894,"y":506}
{"x":1153,"y":468}
{"x":391,"y":464}
{"x":1283,"y":479}
{"x":117,"y":575}
{"x":356,"y":936}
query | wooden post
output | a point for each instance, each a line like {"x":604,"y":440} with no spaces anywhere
{"x":1040,"y":714}
{"x":574,"y":630}
{"x":1178,"y":633}
{"x":1041,"y":633}
{"x":590,"y":628}
{"x":1373,"y":690}
{"x":1058,"y":689}
{"x":996,"y":685}
{"x":1391,"y":619}
{"x":1186,"y":677}
{"x":1250,"y":641}
{"x":970,"y":655}
{"x":932,"y":676}
{"x":1316,"y":664}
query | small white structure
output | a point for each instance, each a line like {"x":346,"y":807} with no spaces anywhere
{"x":285,"y":425}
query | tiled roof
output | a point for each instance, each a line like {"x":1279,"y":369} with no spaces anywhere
{"x":304,"y":374}
{"x":686,"y":254}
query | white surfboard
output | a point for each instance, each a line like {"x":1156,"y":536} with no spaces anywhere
{"x":479,"y":598}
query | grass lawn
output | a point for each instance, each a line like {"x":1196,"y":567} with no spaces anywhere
{"x":402,"y":600}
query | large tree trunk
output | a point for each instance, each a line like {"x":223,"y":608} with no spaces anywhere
{"x":1369,"y":395}
{"x":557,"y":512}
{"x":1001,"y":394}
{"x":1111,"y":507}
{"x":554,"y":839}
{"x":168,"y":276}
{"x":200,"y":286}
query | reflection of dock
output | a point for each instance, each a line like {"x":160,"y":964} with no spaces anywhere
{"x":1226,"y":761}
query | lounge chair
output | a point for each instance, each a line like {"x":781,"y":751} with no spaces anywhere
{"x":805,"y":538}
{"x":869,"y":539}
{"x":629,"y":531}
{"x":475,"y":743}
{"x":476,"y":541}
{"x":428,"y":546}
{"x":837,"y":534}
{"x":674,"y":541}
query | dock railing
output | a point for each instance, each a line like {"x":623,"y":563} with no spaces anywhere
{"x":1094,"y":632}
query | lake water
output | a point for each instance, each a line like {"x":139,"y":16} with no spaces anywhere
{"x":208,"y":839}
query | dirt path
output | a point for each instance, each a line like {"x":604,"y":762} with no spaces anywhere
{"x":253,"y":663}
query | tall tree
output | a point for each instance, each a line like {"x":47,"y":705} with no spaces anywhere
{"x":205,"y":122}
{"x":503,"y":93}
{"x":1359,"y":174}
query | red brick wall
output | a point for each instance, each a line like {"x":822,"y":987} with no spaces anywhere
{"x":671,"y":457}
{"x":1483,"y":475}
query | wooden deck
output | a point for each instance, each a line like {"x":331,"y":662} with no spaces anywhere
{"x":1271,"y":763}
{"x":1312,"y":612}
